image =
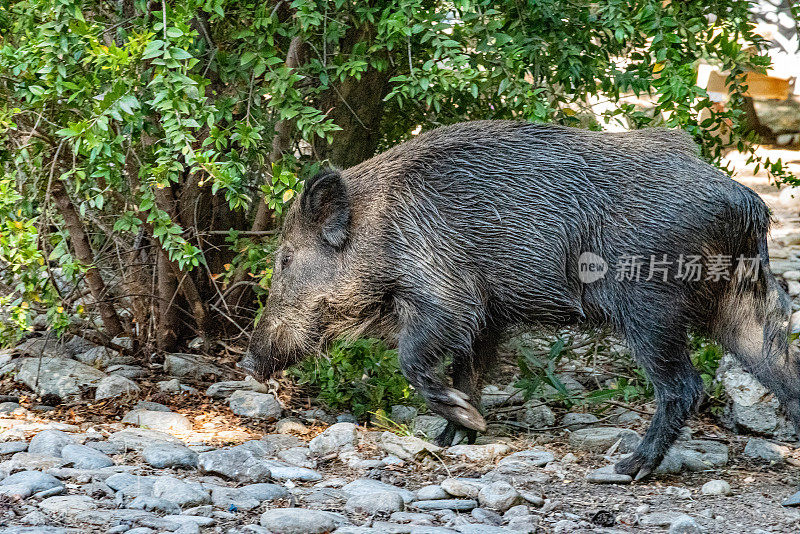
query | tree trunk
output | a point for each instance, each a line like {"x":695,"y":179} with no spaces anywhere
{"x":168,"y":322}
{"x":84,"y":254}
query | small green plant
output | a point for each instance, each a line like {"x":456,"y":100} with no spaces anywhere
{"x":362,"y":376}
{"x":706,"y":356}
{"x":538,"y":370}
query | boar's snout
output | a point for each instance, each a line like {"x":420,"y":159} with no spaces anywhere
{"x":273,"y":348}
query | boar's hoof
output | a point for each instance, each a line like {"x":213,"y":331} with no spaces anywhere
{"x":636,"y":466}
{"x":450,"y":435}
{"x":453,"y":405}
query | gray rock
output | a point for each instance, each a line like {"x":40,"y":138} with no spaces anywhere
{"x":428,"y":426}
{"x":678,"y":493}
{"x":335,"y":438}
{"x":190,"y":365}
{"x":158,"y":420}
{"x":693,"y":455}
{"x":346,"y":418}
{"x":271,"y":444}
{"x":232,"y":499}
{"x":301,"y":521}
{"x":25,"y":461}
{"x":131,"y":486}
{"x":600,"y":439}
{"x":406,"y":447}
{"x":576,"y":421}
{"x":432,"y":492}
{"x":531,"y":458}
{"x":367,"y":486}
{"x":59,"y":376}
{"x":284,"y":471}
{"x":150,"y":503}
{"x":606,"y":475}
{"x":298,"y":456}
{"x":484,"y":454}
{"x":102,"y":357}
{"x":716,"y":487}
{"x":67,"y":505}
{"x":373,"y":503}
{"x":223,"y":390}
{"x":235,"y":464}
{"x":50,"y":442}
{"x":291,"y":425}
{"x":116,"y":386}
{"x":257,"y":405}
{"x":537,"y":415}
{"x":264,"y":491}
{"x":33,"y":530}
{"x":164,"y":455}
{"x":403,"y":415}
{"x":170,"y":386}
{"x":685,"y":525}
{"x":659,"y":519}
{"x":498,"y":496}
{"x":483,"y":515}
{"x":127,"y":371}
{"x":447,"y":504}
{"x":11,"y":447}
{"x":762,"y":449}
{"x":463,"y":487}
{"x":182,"y":493}
{"x":33,"y":481}
{"x":138,"y":438}
{"x":8,"y":407}
{"x":83,"y":457}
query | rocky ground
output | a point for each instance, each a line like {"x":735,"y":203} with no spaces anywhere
{"x":91,"y":441}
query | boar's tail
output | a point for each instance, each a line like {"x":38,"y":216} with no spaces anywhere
{"x":753,"y":316}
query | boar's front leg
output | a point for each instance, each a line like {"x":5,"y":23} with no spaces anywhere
{"x":678,"y":389}
{"x":421,"y":346}
{"x":468,"y":372}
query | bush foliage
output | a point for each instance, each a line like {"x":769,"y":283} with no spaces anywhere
{"x":147,"y":147}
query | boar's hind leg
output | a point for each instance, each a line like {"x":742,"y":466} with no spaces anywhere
{"x":467,"y":374}
{"x":678,"y":388}
{"x":421,"y":348}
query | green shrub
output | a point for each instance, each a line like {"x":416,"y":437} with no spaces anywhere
{"x":362,"y":376}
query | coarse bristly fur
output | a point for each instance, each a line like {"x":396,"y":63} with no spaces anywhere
{"x":445,"y":242}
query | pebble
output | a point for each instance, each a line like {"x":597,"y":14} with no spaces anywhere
{"x":284,"y":471}
{"x":373,"y":503}
{"x":298,"y":456}
{"x":254,"y":404}
{"x":685,"y":524}
{"x":83,"y":457}
{"x":403,"y":415}
{"x":301,"y":521}
{"x":447,"y":504}
{"x":537,"y":415}
{"x":659,"y":519}
{"x":138,"y":438}
{"x":335,"y":438}
{"x":716,"y":487}
{"x":482,"y":515}
{"x":606,"y":475}
{"x":223,"y":390}
{"x":165,"y":455}
{"x":428,"y":426}
{"x":498,"y":496}
{"x":158,"y":420}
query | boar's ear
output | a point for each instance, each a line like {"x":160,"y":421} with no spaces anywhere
{"x":325,"y":206}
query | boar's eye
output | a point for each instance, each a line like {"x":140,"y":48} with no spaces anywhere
{"x":286,"y":259}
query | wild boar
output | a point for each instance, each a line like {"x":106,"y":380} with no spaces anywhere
{"x":442,"y":244}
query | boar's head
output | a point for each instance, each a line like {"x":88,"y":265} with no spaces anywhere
{"x":308,"y":270}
